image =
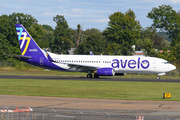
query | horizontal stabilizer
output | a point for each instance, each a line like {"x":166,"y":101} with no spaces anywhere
{"x":19,"y":56}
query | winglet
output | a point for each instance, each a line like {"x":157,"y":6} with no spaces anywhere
{"x":91,"y":53}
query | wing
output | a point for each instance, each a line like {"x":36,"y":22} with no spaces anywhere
{"x":74,"y":66}
{"x":80,"y":67}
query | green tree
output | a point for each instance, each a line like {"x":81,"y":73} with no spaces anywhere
{"x":18,"y":18}
{"x":4,"y":47}
{"x":159,"y":42}
{"x":113,"y":49}
{"x":147,"y":47}
{"x":47,"y":27}
{"x":62,"y":41}
{"x":148,"y":32}
{"x":77,"y":35}
{"x":166,"y":19}
{"x":92,"y":43}
{"x":93,"y":31}
{"x":174,"y":56}
{"x":48,"y":38}
{"x":151,"y":34}
{"x":164,"y":55}
{"x":43,"y":37}
{"x":37,"y":32}
{"x":24,"y":19}
{"x":124,"y":30}
{"x":91,"y":39}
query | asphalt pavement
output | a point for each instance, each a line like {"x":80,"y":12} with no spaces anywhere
{"x":87,"y":79}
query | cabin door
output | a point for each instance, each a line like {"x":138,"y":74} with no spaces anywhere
{"x":41,"y":61}
{"x":154,"y":64}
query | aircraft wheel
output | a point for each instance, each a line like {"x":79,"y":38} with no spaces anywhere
{"x":158,"y":78}
{"x":96,"y":76}
{"x":89,"y":75}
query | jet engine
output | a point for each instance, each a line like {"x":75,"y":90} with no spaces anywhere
{"x":105,"y":72}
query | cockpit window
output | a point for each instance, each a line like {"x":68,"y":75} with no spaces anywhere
{"x":165,"y":62}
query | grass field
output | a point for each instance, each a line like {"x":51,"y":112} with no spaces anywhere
{"x":86,"y":89}
{"x":42,"y":72}
{"x":90,"y":89}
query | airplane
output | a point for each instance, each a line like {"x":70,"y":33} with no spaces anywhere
{"x":100,"y":65}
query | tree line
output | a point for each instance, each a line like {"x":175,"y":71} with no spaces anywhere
{"x":122,"y":32}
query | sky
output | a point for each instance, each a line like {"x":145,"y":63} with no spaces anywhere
{"x":88,"y":13}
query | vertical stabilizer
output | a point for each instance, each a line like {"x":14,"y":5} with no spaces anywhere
{"x":27,"y":45}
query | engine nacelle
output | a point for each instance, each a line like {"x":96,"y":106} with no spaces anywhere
{"x":120,"y":74}
{"x":105,"y":71}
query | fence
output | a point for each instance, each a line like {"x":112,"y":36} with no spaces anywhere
{"x":73,"y":114}
{"x":7,"y":113}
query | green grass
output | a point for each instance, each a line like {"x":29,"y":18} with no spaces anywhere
{"x":90,"y":89}
{"x":36,"y":71}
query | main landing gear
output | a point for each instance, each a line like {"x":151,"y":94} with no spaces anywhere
{"x":90,"y":75}
{"x":96,"y":75}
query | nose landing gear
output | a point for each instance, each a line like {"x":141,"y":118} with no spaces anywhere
{"x":158,"y":78}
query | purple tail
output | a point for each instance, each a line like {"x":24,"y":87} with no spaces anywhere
{"x":27,"y":44}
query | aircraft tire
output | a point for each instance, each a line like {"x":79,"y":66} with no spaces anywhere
{"x":96,"y":76}
{"x":89,"y":75}
{"x":158,"y":78}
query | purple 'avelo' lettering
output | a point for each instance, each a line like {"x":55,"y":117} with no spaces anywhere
{"x":143,"y":64}
{"x":132,"y":64}
{"x":123,"y":66}
{"x":138,"y":62}
{"x":115,"y":63}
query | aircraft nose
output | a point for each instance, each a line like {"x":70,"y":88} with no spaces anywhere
{"x":172,"y":67}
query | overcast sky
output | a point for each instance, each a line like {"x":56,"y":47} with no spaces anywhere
{"x":90,"y":13}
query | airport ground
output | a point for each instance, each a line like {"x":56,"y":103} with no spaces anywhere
{"x":88,"y":108}
{"x":99,"y":109}
{"x":72,"y":108}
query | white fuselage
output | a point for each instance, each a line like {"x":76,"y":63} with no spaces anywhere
{"x":123,"y":64}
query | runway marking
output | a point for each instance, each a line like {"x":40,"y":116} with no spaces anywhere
{"x":117,"y":105}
